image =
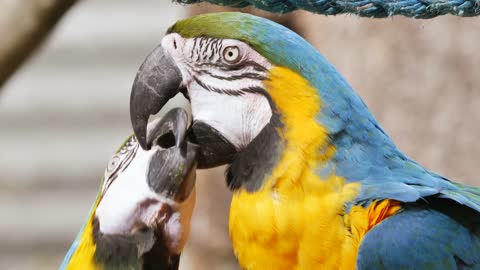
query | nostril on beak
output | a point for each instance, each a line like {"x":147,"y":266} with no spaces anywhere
{"x":174,"y":44}
{"x":166,"y":141}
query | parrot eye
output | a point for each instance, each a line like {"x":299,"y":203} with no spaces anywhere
{"x":112,"y":164}
{"x":231,"y":54}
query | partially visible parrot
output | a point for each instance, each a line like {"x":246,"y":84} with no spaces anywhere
{"x":141,"y":217}
{"x":316,"y":182}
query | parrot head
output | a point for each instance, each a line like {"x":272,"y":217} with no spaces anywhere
{"x":256,"y":88}
{"x":141,"y":218}
{"x":219,"y":72}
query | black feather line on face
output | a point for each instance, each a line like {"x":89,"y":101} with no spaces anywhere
{"x":230,"y":92}
{"x":207,"y":48}
{"x":233,"y":67}
{"x":204,"y":45}
{"x":247,"y":75}
{"x":215,"y":46}
{"x":193,"y":49}
{"x":202,"y":41}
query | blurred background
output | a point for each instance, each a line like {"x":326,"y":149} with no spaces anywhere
{"x":65,"y":111}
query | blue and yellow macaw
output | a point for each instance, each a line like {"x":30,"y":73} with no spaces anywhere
{"x":317,"y":183}
{"x":141,"y":217}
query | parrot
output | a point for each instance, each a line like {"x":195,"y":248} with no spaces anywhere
{"x":316,"y":182}
{"x":141,"y":216}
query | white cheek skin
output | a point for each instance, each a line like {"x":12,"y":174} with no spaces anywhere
{"x":238,"y":119}
{"x":121,"y":206}
{"x":116,"y":213}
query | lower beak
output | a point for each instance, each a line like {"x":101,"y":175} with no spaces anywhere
{"x":157,"y":81}
{"x":171,"y":169}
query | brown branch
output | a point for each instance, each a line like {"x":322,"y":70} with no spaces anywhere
{"x":24,"y":25}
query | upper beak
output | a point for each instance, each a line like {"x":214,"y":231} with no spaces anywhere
{"x":157,"y":81}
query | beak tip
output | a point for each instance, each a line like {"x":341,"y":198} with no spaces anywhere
{"x":139,"y":125}
{"x":143,"y":143}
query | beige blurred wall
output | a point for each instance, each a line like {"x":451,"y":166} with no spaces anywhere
{"x":66,"y":111}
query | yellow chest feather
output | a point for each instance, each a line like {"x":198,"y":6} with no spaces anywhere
{"x":298,"y":228}
{"x":304,"y":227}
{"x":297,"y":220}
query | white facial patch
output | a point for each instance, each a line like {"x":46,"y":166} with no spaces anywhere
{"x":128,"y":200}
{"x":120,"y":207}
{"x":224,"y":79}
{"x":238,"y":119}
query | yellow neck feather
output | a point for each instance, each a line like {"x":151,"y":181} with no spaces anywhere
{"x":298,"y":104}
{"x":84,"y":256}
{"x":297,"y":220}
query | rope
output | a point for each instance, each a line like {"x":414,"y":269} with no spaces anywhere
{"x":422,"y":9}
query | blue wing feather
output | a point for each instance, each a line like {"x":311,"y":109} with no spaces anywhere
{"x":440,"y":235}
{"x":367,"y":155}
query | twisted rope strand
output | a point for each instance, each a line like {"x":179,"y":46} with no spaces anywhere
{"x":421,"y":9}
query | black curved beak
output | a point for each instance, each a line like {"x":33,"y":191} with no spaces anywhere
{"x":157,"y":81}
{"x":171,"y":169}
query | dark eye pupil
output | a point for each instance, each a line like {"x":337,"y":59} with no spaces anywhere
{"x":230,"y":54}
